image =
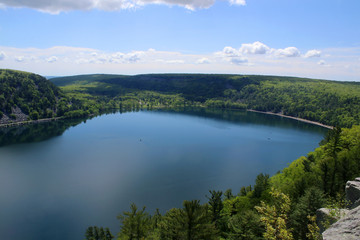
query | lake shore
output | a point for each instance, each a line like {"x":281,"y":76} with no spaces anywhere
{"x":12,"y":124}
{"x":295,"y":118}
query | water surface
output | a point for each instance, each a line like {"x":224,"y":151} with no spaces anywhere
{"x":56,"y":179}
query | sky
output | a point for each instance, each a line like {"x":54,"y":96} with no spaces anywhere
{"x":303,"y":38}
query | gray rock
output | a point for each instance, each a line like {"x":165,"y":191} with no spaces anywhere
{"x":347,"y":228}
{"x":352,"y":190}
{"x":325,"y":217}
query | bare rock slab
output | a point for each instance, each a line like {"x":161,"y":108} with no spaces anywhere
{"x":347,"y":228}
{"x":352,"y":190}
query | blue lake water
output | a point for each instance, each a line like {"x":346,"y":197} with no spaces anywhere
{"x":58,"y":178}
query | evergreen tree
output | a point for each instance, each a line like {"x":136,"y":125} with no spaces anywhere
{"x":312,"y":200}
{"x":89,"y":234}
{"x":216,"y":205}
{"x":108,"y":235}
{"x":135,"y":224}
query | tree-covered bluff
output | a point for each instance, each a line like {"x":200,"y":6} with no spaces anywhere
{"x":27,"y":96}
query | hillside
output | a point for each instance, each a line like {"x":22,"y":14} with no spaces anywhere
{"x":328,"y":102}
{"x":26,"y":96}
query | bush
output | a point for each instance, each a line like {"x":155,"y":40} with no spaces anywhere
{"x":34,"y":115}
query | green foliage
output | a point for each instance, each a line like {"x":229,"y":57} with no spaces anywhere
{"x":135,"y":223}
{"x":96,"y":233}
{"x":216,"y":205}
{"x":313,"y":229}
{"x":30,"y":94}
{"x":34,"y":115}
{"x":245,"y":226}
{"x":328,"y":102}
{"x":275,"y":216}
{"x":304,"y":210}
{"x":191,"y":222}
{"x":262,"y":184}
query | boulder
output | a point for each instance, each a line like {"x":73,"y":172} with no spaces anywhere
{"x":352,"y":190}
{"x":347,"y":228}
{"x":325,"y":217}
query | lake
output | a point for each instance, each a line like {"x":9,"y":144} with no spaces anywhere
{"x":58,"y":178}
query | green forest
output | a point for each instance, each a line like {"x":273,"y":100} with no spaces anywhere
{"x":25,"y":96}
{"x":332,"y":103}
{"x":276,"y":207}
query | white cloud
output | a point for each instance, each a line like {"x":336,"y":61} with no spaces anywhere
{"x":176,"y":61}
{"x":57,"y":6}
{"x":203,"y":61}
{"x":52,"y":59}
{"x":230,"y":52}
{"x":238,"y":60}
{"x":287,"y":52}
{"x":75,"y":60}
{"x":322,"y":62}
{"x":20,"y":58}
{"x":2,"y":56}
{"x":313,"y":53}
{"x":237,"y":2}
{"x":254,"y":48}
{"x":134,"y":56}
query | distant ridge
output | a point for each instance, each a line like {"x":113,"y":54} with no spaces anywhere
{"x":324,"y":101}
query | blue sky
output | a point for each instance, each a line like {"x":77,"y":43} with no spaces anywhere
{"x":318,"y":39}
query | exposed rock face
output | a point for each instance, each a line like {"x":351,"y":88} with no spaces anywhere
{"x":326,"y":217}
{"x":347,"y":228}
{"x":353,"y":193}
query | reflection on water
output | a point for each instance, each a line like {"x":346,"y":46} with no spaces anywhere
{"x":35,"y":132}
{"x":44,"y":131}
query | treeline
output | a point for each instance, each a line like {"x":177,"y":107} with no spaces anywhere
{"x":25,"y":96}
{"x":278,"y":207}
{"x":328,"y":102}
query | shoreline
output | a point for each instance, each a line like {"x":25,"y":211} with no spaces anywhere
{"x":294,"y":118}
{"x":5,"y":125}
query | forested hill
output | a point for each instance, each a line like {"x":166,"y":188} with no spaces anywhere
{"x":27,"y":96}
{"x":329,"y":102}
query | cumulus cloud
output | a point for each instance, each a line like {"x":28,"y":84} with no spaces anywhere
{"x":62,"y":60}
{"x":313,"y":53}
{"x":2,"y":56}
{"x":237,"y":2}
{"x":287,"y":52}
{"x":238,"y":60}
{"x":134,"y":57}
{"x":203,"y":61}
{"x":52,"y":59}
{"x":254,"y":48}
{"x":230,"y":52}
{"x":322,"y":62}
{"x":232,"y":55}
{"x":20,"y":58}
{"x":57,"y":6}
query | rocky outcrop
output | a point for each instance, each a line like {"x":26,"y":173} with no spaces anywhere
{"x":348,"y":227}
{"x":325,"y":217}
{"x":352,"y":190}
